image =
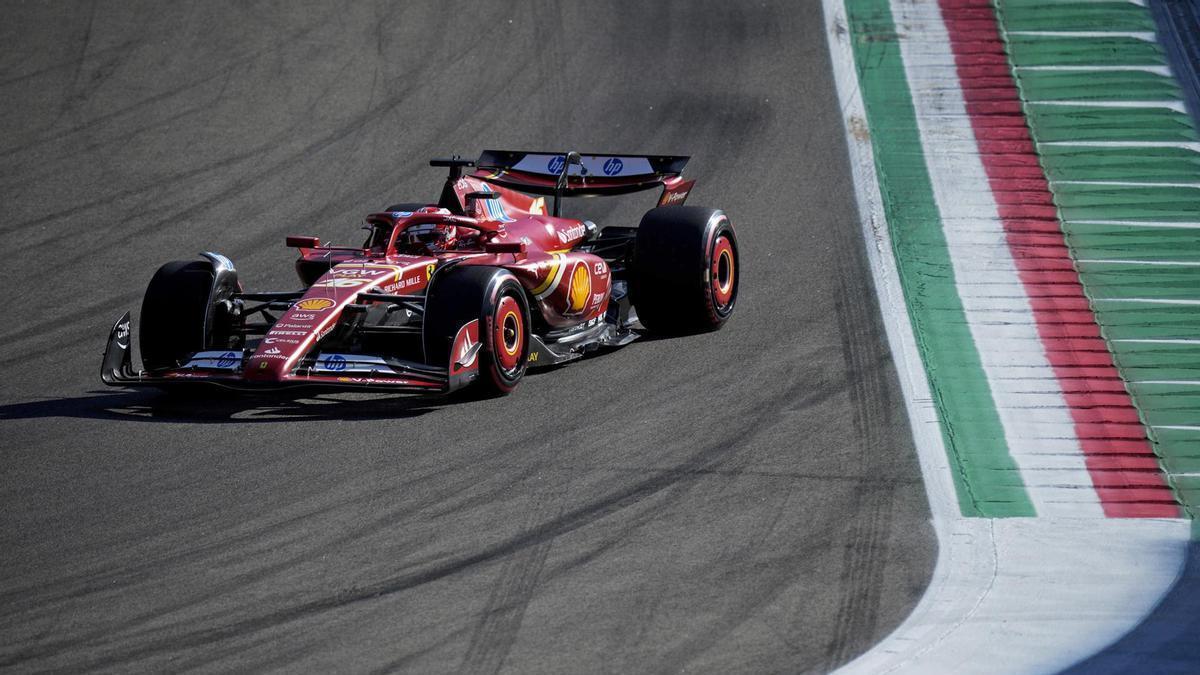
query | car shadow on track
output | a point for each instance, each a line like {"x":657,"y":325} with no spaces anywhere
{"x":219,"y":405}
{"x":155,"y":406}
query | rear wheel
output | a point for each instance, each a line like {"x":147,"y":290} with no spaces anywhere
{"x":495,"y":299}
{"x":685,"y":272}
{"x":173,"y":313}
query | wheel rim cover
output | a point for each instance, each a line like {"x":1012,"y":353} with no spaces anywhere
{"x":723,"y":273}
{"x":509,"y":334}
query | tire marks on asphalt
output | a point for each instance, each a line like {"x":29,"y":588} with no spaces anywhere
{"x":870,"y":372}
{"x":681,"y":504}
{"x":498,"y":623}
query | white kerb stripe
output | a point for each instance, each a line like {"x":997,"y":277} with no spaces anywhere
{"x":1181,"y":145}
{"x":1159,"y":341}
{"x":1146,"y":36}
{"x":1138,"y":223}
{"x":1126,"y":183}
{"x":1151,"y":301}
{"x":956,"y":170}
{"x":1164,"y":263}
{"x":1157,"y":70}
{"x":1169,"y":105}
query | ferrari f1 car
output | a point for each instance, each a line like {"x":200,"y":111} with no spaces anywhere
{"x":470,"y":291}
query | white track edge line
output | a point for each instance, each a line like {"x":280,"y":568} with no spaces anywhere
{"x":1098,"y":67}
{"x":1143,"y":35}
{"x":958,"y":567}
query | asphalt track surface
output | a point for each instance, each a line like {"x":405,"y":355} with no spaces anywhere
{"x":747,"y":500}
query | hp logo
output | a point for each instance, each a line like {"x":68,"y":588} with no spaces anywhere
{"x":336,"y":363}
{"x":227,"y":360}
{"x":613,"y":167}
{"x":556,"y":164}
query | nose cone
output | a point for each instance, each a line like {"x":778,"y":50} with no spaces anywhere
{"x":292,"y":335}
{"x":265,"y":368}
{"x":314,"y":315}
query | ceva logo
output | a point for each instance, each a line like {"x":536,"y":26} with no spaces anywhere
{"x":613,"y":166}
{"x":556,"y":164}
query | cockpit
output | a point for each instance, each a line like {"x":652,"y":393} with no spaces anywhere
{"x":420,"y":238}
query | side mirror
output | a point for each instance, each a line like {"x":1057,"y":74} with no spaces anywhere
{"x":473,"y":197}
{"x":504,"y":247}
{"x":298,"y":241}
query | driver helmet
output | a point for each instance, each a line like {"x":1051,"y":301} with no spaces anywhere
{"x":433,"y":237}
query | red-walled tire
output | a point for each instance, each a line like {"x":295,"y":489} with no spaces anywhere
{"x":494,"y":297}
{"x":686,"y":270}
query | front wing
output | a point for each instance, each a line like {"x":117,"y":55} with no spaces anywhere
{"x":330,"y":372}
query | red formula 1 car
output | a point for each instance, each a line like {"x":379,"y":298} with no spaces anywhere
{"x":472,"y":290}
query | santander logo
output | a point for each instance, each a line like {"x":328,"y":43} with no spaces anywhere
{"x":571,"y":233}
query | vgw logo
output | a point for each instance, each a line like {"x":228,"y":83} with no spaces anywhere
{"x":613,"y":166}
{"x":556,"y":164}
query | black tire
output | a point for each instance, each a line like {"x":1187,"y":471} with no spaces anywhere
{"x":173,"y":313}
{"x":685,"y":272}
{"x":495,"y":298}
{"x":405,"y":207}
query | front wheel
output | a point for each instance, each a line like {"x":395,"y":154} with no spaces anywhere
{"x":685,"y":273}
{"x":173,"y":313}
{"x":494,"y":299}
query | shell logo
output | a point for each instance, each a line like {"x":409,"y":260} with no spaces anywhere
{"x":581,"y":288}
{"x":314,"y":304}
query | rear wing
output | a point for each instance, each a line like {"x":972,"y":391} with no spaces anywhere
{"x":538,"y":172}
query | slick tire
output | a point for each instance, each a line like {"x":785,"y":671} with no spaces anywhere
{"x":495,"y":298}
{"x":173,"y":313}
{"x":685,"y":272}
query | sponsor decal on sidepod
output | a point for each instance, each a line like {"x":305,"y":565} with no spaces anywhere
{"x":573,"y":232}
